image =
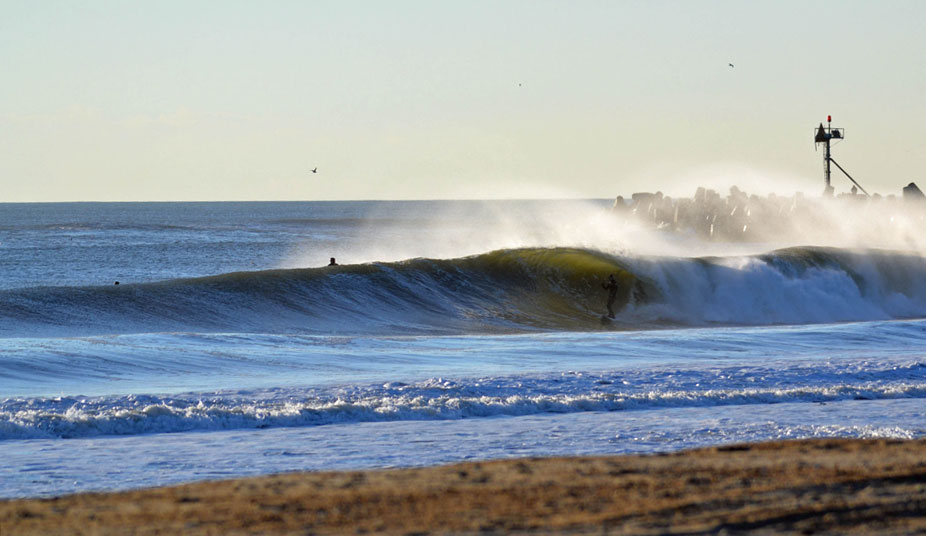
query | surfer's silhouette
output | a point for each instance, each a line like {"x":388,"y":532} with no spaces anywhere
{"x":333,"y":262}
{"x":611,"y":286}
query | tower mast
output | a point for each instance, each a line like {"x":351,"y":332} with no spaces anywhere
{"x":824,"y":135}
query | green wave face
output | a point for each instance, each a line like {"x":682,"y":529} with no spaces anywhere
{"x":550,"y":286}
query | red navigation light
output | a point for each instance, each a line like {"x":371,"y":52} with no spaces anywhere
{"x":829,"y":119}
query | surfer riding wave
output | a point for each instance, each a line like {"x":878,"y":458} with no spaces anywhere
{"x":611,"y":286}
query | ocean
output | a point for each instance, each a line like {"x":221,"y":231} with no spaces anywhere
{"x":448,"y":331}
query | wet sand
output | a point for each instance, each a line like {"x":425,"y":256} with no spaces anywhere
{"x":806,"y":487}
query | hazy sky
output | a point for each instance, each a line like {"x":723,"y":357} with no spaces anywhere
{"x":224,"y":100}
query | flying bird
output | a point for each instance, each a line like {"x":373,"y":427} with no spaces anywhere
{"x":730,"y":64}
{"x":315,"y":170}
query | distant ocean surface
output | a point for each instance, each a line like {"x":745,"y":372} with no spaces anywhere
{"x":448,"y":331}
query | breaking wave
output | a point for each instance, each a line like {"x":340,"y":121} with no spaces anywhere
{"x":512,"y":290}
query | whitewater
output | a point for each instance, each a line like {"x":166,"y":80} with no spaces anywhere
{"x":449,"y":330}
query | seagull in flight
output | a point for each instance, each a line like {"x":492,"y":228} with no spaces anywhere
{"x":730,"y":64}
{"x":315,"y":170}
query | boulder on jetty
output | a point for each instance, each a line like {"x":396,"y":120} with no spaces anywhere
{"x":911,"y":192}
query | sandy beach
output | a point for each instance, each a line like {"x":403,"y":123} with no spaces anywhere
{"x":808,"y":487}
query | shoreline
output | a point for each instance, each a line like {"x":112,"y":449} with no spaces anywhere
{"x":803,"y":486}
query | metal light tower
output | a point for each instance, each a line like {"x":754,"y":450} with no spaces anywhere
{"x":824,"y":135}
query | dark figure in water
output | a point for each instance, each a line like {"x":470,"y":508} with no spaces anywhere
{"x":611,"y":287}
{"x":333,"y":262}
